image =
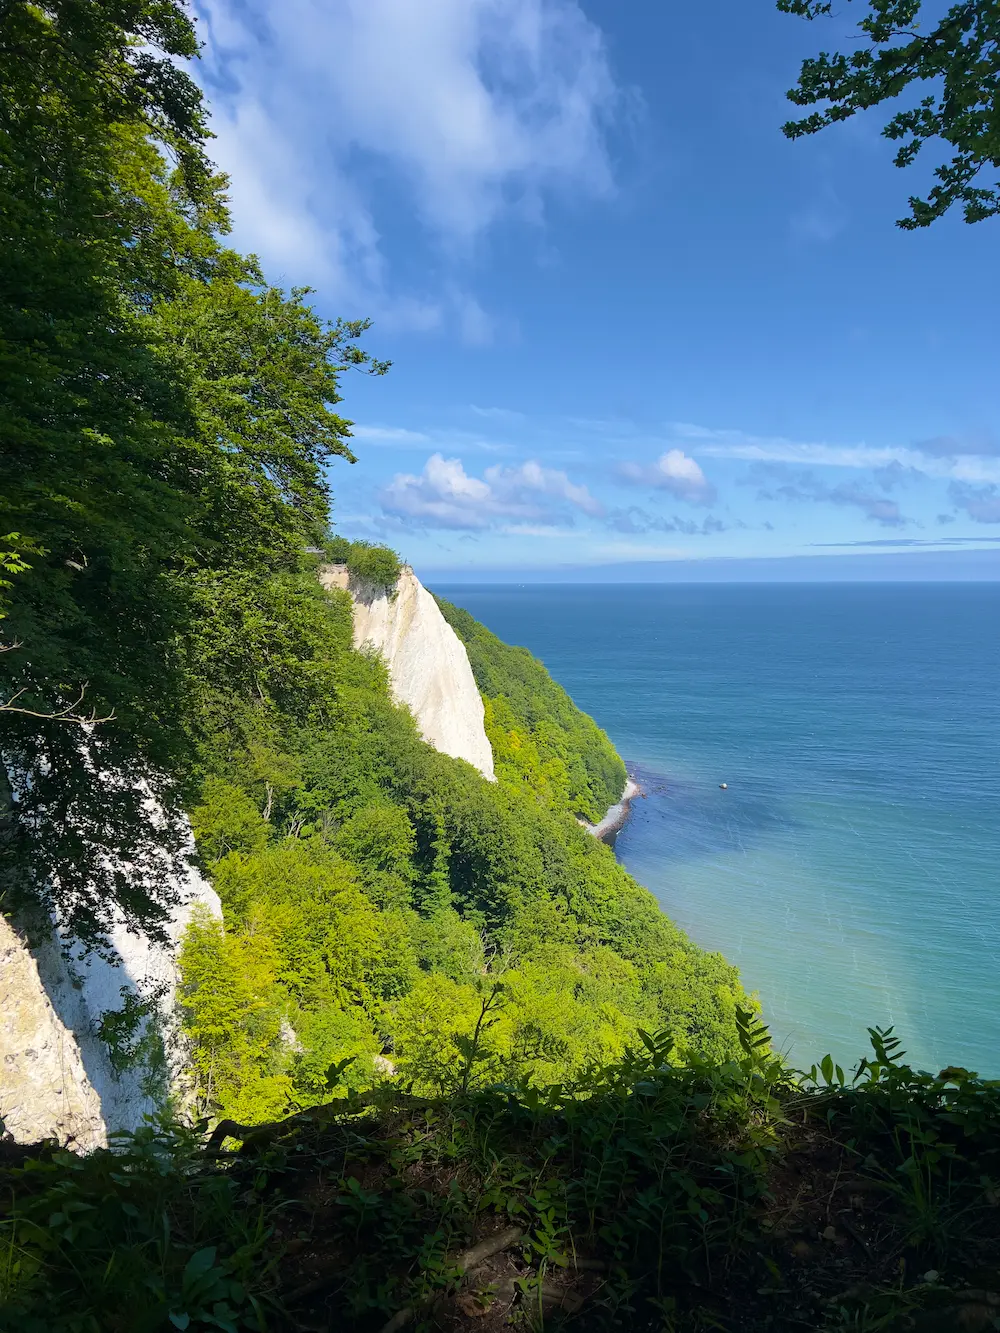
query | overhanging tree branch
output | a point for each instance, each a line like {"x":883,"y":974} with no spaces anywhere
{"x":67,"y":714}
{"x":958,"y":58}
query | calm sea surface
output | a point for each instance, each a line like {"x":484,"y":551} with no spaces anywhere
{"x":851,"y":868}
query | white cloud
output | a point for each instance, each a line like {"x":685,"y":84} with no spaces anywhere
{"x":478,"y":108}
{"x":779,"y":482}
{"x":498,"y":413}
{"x":973,"y":466}
{"x":533,"y":530}
{"x":676,"y":472}
{"x":505,"y":498}
{"x":403,"y":437}
{"x":392,"y":435}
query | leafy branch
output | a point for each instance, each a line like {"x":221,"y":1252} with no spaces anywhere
{"x":959,"y":56}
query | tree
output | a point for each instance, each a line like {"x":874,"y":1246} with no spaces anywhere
{"x":959,"y":56}
{"x":164,"y":414}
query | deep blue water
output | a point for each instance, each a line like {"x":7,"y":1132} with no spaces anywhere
{"x":851,"y":868}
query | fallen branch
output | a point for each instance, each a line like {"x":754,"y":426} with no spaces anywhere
{"x":487,"y":1248}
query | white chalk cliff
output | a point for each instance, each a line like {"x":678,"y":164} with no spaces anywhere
{"x":58,"y":1077}
{"x":429,"y":668}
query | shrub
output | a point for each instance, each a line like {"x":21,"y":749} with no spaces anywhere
{"x":373,"y":566}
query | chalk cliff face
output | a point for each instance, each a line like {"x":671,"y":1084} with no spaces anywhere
{"x":59,"y":1077}
{"x":428,"y":666}
{"x":59,"y":1074}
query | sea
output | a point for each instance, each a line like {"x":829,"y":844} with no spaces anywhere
{"x":851,"y":865}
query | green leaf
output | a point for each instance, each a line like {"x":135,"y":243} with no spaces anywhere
{"x":200,"y":1263}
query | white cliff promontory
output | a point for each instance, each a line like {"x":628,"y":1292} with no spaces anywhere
{"x":60,"y":1075}
{"x":428,"y":666}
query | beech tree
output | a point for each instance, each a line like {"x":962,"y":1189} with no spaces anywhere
{"x":164,"y":414}
{"x":957,"y":58}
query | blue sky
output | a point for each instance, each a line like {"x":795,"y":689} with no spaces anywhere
{"x":632,"y":325}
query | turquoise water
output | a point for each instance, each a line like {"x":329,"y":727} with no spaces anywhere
{"x":851,"y":868}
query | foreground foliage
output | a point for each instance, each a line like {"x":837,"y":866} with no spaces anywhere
{"x":648,"y":1195}
{"x":953,"y":55}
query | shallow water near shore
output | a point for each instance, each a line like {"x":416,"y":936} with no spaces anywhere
{"x":852,"y":867}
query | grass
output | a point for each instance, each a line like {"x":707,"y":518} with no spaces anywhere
{"x":650,"y":1196}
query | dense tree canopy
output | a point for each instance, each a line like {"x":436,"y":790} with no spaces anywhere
{"x":956,"y":54}
{"x":378,"y":894}
{"x":164,"y":414}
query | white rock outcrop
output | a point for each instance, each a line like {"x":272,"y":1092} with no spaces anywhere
{"x":44,"y":1088}
{"x":429,"y":668}
{"x":57,"y":1075}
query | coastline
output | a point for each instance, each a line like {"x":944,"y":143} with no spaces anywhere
{"x":617,"y":815}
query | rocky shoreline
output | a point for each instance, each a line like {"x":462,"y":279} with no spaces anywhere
{"x":618,"y":814}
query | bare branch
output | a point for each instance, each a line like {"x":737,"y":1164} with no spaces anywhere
{"x":67,"y":714}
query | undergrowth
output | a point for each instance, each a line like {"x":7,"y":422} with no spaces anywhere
{"x":648,"y":1195}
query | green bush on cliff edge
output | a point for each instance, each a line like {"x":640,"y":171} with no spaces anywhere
{"x":371,"y":565}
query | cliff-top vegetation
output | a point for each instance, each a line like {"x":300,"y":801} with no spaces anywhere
{"x":370,"y":565}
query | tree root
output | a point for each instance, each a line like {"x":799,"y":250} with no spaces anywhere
{"x":486,"y":1249}
{"x":466,"y":1262}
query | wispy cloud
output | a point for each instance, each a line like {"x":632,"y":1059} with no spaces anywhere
{"x":896,"y":474}
{"x":979,"y":444}
{"x":403,"y":437}
{"x":444,"y":495}
{"x":981,"y":503}
{"x":479,"y":109}
{"x":397,"y":436}
{"x":952,"y":457}
{"x":636,"y":520}
{"x":673,"y":471}
{"x":776,"y":481}
{"x":912,"y":541}
{"x":497,"y":413}
{"x":823,"y":218}
{"x":639,"y":551}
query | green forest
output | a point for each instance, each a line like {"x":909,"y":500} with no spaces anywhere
{"x":166,"y":507}
{"x":380,"y":897}
{"x":540,"y":739}
{"x":450,"y":1065}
